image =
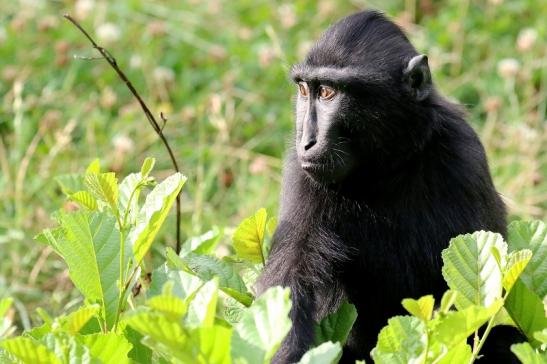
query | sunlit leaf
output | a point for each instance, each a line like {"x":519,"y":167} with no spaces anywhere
{"x":104,"y":186}
{"x":248,"y":238}
{"x":403,"y":340}
{"x":516,"y":263}
{"x":74,"y":321}
{"x":109,"y":348}
{"x":336,"y":326}
{"x":29,"y":351}
{"x":528,"y":355}
{"x":203,"y":306}
{"x":84,"y":199}
{"x":326,"y":353}
{"x":421,"y":308}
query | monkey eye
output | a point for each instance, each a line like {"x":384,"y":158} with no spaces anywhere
{"x":326,"y":93}
{"x":303,"y":89}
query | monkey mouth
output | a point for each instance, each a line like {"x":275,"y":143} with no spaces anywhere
{"x":312,"y":166}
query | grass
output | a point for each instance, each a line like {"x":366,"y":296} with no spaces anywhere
{"x":218,"y":71}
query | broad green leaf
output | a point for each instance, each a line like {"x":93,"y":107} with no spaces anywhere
{"x":94,"y":166}
{"x":184,"y":284}
{"x":153,"y":214}
{"x":147,"y":166}
{"x":448,"y":299}
{"x":203,"y":244}
{"x":130,"y":189}
{"x":528,"y":355}
{"x":74,"y":321}
{"x":202,"y":309}
{"x":454,"y":327}
{"x":5,"y":304}
{"x":541,"y":336}
{"x":461,"y":353}
{"x":210,"y":345}
{"x":140,"y":353}
{"x":526,"y":310}
{"x":422,"y":308}
{"x":471,"y":269}
{"x":171,"y":306}
{"x":262,"y":328}
{"x":336,"y":326}
{"x":516,"y":263}
{"x":403,"y":340}
{"x":84,"y":199}
{"x":91,"y":249}
{"x":531,"y":235}
{"x":109,"y":348}
{"x":160,"y":333}
{"x":326,"y":353}
{"x":104,"y":186}
{"x":248,"y":238}
{"x":29,"y":351}
{"x":70,"y":183}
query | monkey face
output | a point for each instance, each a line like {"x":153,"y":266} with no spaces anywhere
{"x":324,"y":152}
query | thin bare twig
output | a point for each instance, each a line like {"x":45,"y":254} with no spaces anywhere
{"x":149,"y":116}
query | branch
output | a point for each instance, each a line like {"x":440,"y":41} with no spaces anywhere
{"x":149,"y":116}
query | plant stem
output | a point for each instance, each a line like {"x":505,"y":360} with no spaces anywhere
{"x":483,"y":339}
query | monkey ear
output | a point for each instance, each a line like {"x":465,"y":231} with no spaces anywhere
{"x":417,"y":77}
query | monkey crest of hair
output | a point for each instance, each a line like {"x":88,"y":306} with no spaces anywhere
{"x":384,"y":171}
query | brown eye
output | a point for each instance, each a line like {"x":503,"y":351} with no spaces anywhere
{"x":303,"y":89}
{"x":326,"y":93}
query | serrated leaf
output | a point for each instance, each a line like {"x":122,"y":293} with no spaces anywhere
{"x":147,"y":166}
{"x":528,"y":355}
{"x":160,"y":333}
{"x":84,"y":199}
{"x":262,"y":328}
{"x":403,"y":340}
{"x":248,"y":239}
{"x":202,"y":244}
{"x":109,"y":348}
{"x":153,"y":213}
{"x":471,"y":269}
{"x":336,"y":326}
{"x":104,"y":186}
{"x":74,"y":321}
{"x":184,"y":284}
{"x":70,"y":183}
{"x":90,"y":247}
{"x":202,"y":309}
{"x":448,"y":299}
{"x":140,"y":353}
{"x":531,"y":235}
{"x":460,"y":353}
{"x":526,"y":310}
{"x":421,"y":308}
{"x":29,"y":351}
{"x":210,"y":345}
{"x":326,"y":353}
{"x":171,"y":306}
{"x":516,"y":263}
{"x":94,"y":166}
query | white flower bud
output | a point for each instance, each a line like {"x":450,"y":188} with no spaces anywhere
{"x":508,"y":68}
{"x":526,"y":39}
{"x":108,"y":33}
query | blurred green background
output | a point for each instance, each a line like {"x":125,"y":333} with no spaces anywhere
{"x":218,"y":70}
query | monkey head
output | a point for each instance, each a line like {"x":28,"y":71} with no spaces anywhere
{"x":363,"y":100}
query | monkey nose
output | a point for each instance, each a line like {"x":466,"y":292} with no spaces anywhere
{"x":309,"y":143}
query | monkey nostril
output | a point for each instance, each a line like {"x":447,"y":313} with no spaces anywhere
{"x":310,"y":143}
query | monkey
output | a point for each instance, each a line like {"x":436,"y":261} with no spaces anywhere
{"x":384,"y":171}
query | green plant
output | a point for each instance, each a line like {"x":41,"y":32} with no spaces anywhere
{"x":201,"y":308}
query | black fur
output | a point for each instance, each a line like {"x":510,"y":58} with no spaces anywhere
{"x":393,"y":173}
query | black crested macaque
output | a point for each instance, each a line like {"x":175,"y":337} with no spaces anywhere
{"x":383,"y":173}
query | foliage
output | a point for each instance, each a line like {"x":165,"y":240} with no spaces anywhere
{"x":198,"y":308}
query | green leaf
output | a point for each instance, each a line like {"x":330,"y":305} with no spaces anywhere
{"x":248,"y":238}
{"x":210,"y":345}
{"x":541,"y":336}
{"x":448,"y":299}
{"x":262,"y":328}
{"x":516,"y":263}
{"x":403,"y":340}
{"x":184,"y":284}
{"x":161,"y":333}
{"x":336,"y":326}
{"x":94,"y":166}
{"x":531,"y":235}
{"x":109,"y":348}
{"x":203,"y":305}
{"x":171,"y":306}
{"x":147,"y":166}
{"x":203,"y":244}
{"x":140,"y":353}
{"x":421,"y":308}
{"x":70,"y":183}
{"x":84,"y":199}
{"x":29,"y":351}
{"x":104,"y":186}
{"x":326,"y":353}
{"x":528,"y":355}
{"x":461,"y":353}
{"x":74,"y":321}
{"x":90,"y":247}
{"x":130,"y":189}
{"x":471,"y":269}
{"x":526,"y":310}
{"x":153,"y":214}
